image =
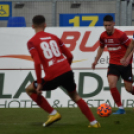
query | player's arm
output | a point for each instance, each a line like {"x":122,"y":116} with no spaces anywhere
{"x":130,"y":49}
{"x":65,"y":51}
{"x":129,"y":56}
{"x":129,"y":53}
{"x":99,"y":53}
{"x":37,"y":64}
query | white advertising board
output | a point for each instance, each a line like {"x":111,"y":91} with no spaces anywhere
{"x":91,"y":85}
{"x":16,"y":68}
{"x":82,"y":42}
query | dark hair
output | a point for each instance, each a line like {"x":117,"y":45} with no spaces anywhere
{"x":108,"y":18}
{"x":38,"y":20}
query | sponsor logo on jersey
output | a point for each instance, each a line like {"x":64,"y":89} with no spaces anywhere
{"x":110,"y":41}
{"x":114,"y":48}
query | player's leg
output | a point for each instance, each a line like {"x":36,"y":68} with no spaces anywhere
{"x":84,"y":109}
{"x":54,"y":115}
{"x":129,"y":87}
{"x":69,"y":84}
{"x":41,"y":101}
{"x":113,"y":75}
{"x":112,"y":80}
{"x":127,"y":75}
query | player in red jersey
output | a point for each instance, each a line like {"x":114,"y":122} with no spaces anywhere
{"x":117,"y":43}
{"x":50,"y":53}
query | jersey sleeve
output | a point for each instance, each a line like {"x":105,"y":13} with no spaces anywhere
{"x":36,"y":59}
{"x":30,"y":46}
{"x":125,"y":40}
{"x":101,"y":41}
{"x":60,"y":42}
{"x":65,"y":51}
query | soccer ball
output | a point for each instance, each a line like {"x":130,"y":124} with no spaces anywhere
{"x":104,"y":110}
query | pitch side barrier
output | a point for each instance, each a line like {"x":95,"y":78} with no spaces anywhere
{"x":16,"y":68}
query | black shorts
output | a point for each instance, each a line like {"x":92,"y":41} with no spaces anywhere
{"x":119,"y":70}
{"x":65,"y":80}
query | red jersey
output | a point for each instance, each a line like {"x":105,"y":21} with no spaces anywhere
{"x":47,"y":50}
{"x":116,"y":43}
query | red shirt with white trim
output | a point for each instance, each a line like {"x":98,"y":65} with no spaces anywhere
{"x":116,"y":43}
{"x":48,"y":51}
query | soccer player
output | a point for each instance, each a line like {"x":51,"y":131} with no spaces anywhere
{"x":50,"y":53}
{"x":117,"y":43}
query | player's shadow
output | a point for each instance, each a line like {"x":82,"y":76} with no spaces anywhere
{"x":37,"y":123}
{"x":128,"y":111}
{"x":53,"y":125}
{"x":60,"y":125}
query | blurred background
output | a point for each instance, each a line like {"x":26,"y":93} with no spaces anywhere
{"x":19,"y":13}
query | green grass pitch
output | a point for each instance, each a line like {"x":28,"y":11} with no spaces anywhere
{"x":29,"y":121}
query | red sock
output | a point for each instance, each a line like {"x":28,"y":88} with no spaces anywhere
{"x":116,"y":96}
{"x":42,"y":102}
{"x":85,"y":110}
{"x":133,"y":91}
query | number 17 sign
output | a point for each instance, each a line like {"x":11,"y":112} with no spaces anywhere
{"x":77,"y":20}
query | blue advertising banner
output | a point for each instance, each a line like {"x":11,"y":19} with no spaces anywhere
{"x":5,"y":10}
{"x":76,"y":20}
